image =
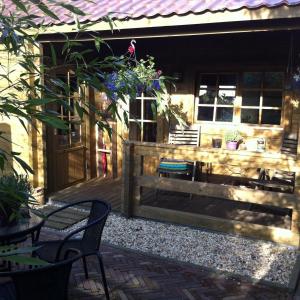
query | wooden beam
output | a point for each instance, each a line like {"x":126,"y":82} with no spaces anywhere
{"x":274,"y":234}
{"x":219,"y":191}
{"x":114,"y":149}
{"x":92,"y":136}
{"x":243,"y":159}
{"x":127,"y":179}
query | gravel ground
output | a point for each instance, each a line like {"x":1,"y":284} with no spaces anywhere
{"x":255,"y":258}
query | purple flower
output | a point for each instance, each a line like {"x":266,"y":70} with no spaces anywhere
{"x":111,"y":85}
{"x":156,"y":85}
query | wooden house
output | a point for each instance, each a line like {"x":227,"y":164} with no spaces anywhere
{"x":234,"y":62}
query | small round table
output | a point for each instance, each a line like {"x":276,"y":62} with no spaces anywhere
{"x":24,"y":227}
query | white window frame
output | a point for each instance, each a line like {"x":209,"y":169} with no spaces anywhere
{"x":215,"y":105}
{"x":261,"y":107}
{"x":141,"y":120}
{"x":237,"y":104}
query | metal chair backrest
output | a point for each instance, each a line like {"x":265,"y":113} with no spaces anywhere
{"x":47,"y":282}
{"x":93,"y":232}
{"x":289,"y":143}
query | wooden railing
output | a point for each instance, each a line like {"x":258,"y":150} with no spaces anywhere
{"x":140,"y":161}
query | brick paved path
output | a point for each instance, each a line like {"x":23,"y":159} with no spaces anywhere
{"x":132,"y":275}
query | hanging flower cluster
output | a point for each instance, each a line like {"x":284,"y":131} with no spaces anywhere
{"x":141,"y":75}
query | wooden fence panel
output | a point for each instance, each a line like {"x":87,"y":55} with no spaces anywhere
{"x":134,"y":179}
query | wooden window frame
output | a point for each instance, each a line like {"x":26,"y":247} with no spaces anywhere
{"x":70,"y":117}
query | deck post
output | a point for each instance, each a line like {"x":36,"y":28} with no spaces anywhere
{"x":127,"y":179}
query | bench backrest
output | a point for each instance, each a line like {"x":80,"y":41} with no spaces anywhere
{"x":185,"y":136}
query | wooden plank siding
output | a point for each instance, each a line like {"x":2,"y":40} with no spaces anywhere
{"x":136,"y":178}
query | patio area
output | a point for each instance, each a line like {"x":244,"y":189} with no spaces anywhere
{"x":132,"y":275}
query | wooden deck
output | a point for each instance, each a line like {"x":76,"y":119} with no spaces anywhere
{"x":106,"y":189}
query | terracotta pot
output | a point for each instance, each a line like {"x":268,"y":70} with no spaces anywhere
{"x":216,"y":143}
{"x":231,"y":145}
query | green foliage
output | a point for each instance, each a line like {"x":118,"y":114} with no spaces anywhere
{"x":15,"y":195}
{"x":232,"y":136}
{"x":40,"y":100}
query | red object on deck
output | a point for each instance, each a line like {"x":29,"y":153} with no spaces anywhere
{"x":104,"y":162}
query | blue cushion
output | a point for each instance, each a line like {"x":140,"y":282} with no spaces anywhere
{"x":175,"y":166}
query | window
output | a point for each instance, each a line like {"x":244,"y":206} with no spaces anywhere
{"x":142,"y":119}
{"x":261,"y":98}
{"x":216,"y":94}
{"x":73,"y":136}
{"x":260,"y":94}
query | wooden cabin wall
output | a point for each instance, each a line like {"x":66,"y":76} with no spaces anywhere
{"x":30,"y":144}
{"x":189,"y":56}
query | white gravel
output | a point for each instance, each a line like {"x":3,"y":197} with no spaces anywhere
{"x":255,"y":258}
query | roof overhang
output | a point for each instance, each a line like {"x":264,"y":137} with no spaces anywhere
{"x":243,"y":20}
{"x":208,"y":17}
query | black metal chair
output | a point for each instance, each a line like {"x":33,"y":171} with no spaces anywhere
{"x":47,"y":282}
{"x":88,"y":244}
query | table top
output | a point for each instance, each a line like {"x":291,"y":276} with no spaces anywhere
{"x":22,"y":228}
{"x":272,"y":184}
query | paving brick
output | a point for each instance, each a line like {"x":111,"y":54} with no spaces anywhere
{"x":135,"y":276}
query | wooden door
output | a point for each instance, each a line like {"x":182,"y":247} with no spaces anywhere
{"x":66,"y":149}
{"x":106,"y":146}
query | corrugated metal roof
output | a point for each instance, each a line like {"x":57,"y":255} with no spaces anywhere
{"x":134,"y":9}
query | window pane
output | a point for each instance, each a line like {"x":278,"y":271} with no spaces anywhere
{"x":270,"y":116}
{"x":207,"y":96}
{"x":273,"y":80}
{"x":75,"y":133}
{"x":250,"y":98}
{"x":227,"y":81}
{"x":226,"y":97}
{"x":62,"y":137}
{"x":208,"y":80}
{"x":205,"y":113}
{"x":135,"y":109}
{"x":149,"y":106}
{"x":134,"y":131}
{"x":272,"y":99}
{"x":224,"y":114}
{"x":150,"y":132}
{"x":252,"y":80}
{"x":249,"y":116}
{"x":73,"y":84}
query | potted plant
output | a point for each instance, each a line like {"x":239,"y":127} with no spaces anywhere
{"x":232,"y":139}
{"x":15,"y":198}
{"x":216,"y":142}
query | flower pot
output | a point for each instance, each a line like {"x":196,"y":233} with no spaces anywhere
{"x":216,"y":143}
{"x":232,"y":145}
{"x":5,"y":220}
